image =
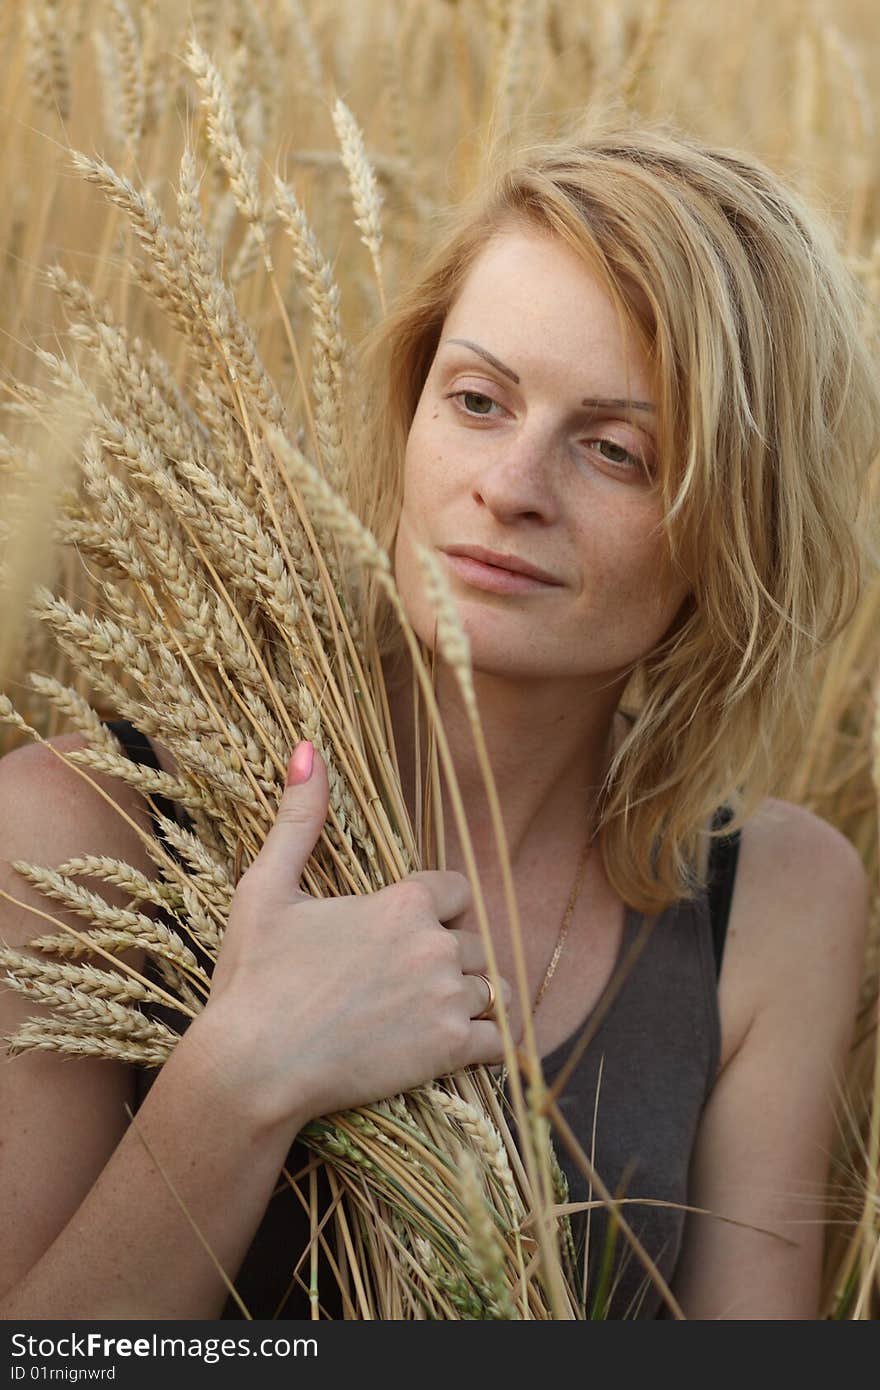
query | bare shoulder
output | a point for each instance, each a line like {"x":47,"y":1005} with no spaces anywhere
{"x":785,"y":828}
{"x":39,"y":781}
{"x":788,"y":995}
{"x":804,"y":878}
{"x":50,"y":812}
{"x":42,"y":768}
{"x":798,"y":920}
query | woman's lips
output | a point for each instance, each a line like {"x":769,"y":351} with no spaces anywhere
{"x":492,"y":577}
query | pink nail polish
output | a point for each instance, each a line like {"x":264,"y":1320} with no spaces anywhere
{"x":299,"y":769}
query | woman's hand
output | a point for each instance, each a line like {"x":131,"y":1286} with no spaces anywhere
{"x":327,"y":1004}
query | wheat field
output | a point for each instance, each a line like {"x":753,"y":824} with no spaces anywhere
{"x":293,"y":152}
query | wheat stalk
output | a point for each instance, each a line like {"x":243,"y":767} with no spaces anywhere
{"x":365,"y":193}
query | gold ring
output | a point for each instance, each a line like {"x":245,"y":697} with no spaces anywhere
{"x":488,"y":1012}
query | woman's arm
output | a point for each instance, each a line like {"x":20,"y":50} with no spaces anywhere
{"x":129,"y":1251}
{"x":89,"y":1226}
{"x":796,"y":940}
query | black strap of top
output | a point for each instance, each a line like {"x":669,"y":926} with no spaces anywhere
{"x":723,"y":857}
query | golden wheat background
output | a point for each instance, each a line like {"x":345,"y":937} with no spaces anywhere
{"x":791,"y":81}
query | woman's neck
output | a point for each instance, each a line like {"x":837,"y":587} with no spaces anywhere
{"x":549,"y":745}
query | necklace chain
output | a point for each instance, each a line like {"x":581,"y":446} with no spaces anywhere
{"x":566,"y":921}
{"x":569,"y":907}
{"x":563,"y":933}
{"x":565,"y":924}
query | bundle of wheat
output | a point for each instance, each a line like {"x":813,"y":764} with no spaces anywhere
{"x":227,"y":558}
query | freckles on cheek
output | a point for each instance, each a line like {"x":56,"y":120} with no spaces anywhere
{"x":430,"y":474}
{"x":632,"y":571}
{"x":656,"y":590}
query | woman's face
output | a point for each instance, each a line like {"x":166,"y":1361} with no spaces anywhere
{"x":535,"y":438}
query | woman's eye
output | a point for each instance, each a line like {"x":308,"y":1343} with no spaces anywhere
{"x":475,"y":403}
{"x":615,"y":453}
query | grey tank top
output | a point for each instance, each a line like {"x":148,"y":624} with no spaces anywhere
{"x":633,"y":1101}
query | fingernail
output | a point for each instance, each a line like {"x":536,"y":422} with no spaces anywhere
{"x":299,"y":769}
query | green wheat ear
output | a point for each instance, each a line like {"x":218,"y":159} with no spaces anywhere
{"x":600,"y":1294}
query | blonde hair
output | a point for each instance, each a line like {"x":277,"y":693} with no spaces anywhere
{"x":768,"y":421}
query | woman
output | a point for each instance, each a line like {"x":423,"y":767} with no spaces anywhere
{"x":632,"y":368}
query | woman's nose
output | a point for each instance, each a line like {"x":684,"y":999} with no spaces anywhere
{"x":518,"y":479}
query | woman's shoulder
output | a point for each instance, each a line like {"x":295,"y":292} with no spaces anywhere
{"x":798,"y":917}
{"x":42,"y":777}
{"x":788,"y":854}
{"x":52,"y":811}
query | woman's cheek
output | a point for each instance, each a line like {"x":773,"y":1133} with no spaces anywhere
{"x":407,"y":572}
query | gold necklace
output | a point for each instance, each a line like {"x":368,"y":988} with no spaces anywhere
{"x":566,"y":921}
{"x":560,"y":940}
{"x":572,"y":898}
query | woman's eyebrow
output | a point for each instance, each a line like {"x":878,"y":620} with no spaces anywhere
{"x":615,"y":403}
{"x":594,"y":402}
{"x":489,"y":357}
